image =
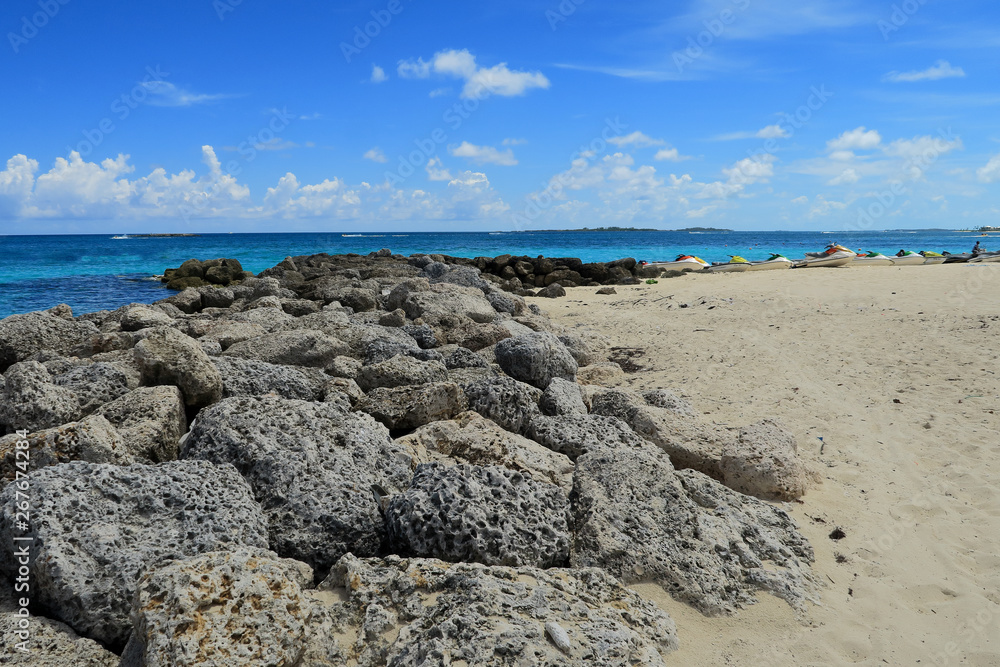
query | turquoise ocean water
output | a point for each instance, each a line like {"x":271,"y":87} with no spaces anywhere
{"x":94,"y":272}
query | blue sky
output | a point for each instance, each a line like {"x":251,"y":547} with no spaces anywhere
{"x":259,"y":115}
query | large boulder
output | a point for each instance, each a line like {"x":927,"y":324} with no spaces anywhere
{"x":406,"y":408}
{"x":562,"y":397}
{"x":471,"y":438}
{"x":489,"y":515}
{"x":94,"y":527}
{"x":168,"y":357}
{"x":410,"y":612}
{"x":44,"y":642}
{"x":509,"y":403}
{"x":22,"y":336}
{"x":292,"y":348}
{"x":764,"y":463}
{"x":447,"y":300}
{"x":95,"y":384}
{"x":136,"y":318}
{"x":93,"y":440}
{"x":227,"y":333}
{"x":150,"y":420}
{"x":536,"y":358}
{"x":400,"y":371}
{"x":30,"y":401}
{"x":709,"y":546}
{"x":575,"y":434}
{"x":247,"y":377}
{"x":690,"y":442}
{"x":311,"y":466}
{"x":249,"y":606}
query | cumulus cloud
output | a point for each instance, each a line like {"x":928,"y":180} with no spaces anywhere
{"x":990,"y":173}
{"x":436,"y":171}
{"x":75,"y":188}
{"x":375,"y":155}
{"x":859,"y":138}
{"x":772,"y":132}
{"x":670,"y":155}
{"x":638,"y":139}
{"x":378,"y":74}
{"x":484,"y":154}
{"x":942,"y":69}
{"x":847,"y":177}
{"x":480,"y":82}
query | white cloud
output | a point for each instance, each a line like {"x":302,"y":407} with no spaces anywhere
{"x":636,"y":138}
{"x":857,"y":139}
{"x":670,"y":155}
{"x":942,"y":69}
{"x":378,"y":74}
{"x":480,"y":82}
{"x":824,"y":207}
{"x":375,"y":155}
{"x":990,"y":173}
{"x":75,"y":188}
{"x":484,"y":154}
{"x":772,"y":132}
{"x":801,"y":200}
{"x":166,"y":94}
{"x":847,"y":177}
{"x":514,"y":142}
{"x":436,"y":171}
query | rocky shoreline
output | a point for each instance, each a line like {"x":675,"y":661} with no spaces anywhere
{"x":369,"y":460}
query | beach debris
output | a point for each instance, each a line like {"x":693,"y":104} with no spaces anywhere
{"x":606,"y":291}
{"x":837,"y":534}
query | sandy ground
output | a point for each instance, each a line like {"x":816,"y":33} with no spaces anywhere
{"x":896,"y":369}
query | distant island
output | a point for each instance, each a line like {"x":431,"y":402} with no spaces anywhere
{"x":636,"y":229}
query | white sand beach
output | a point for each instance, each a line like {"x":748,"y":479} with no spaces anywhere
{"x":896,"y":369}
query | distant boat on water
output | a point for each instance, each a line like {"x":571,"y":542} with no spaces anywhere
{"x":122,"y":236}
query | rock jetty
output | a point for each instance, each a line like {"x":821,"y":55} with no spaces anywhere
{"x":373,"y":461}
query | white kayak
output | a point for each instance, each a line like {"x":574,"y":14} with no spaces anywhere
{"x":909,"y":259}
{"x":684,"y":263}
{"x":872,"y":260}
{"x":776,"y":262}
{"x":831,"y":260}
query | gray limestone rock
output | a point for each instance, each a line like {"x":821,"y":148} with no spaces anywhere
{"x":94,"y":527}
{"x":94,"y":384}
{"x":764,"y":463}
{"x":22,"y":336}
{"x":703,"y":543}
{"x":562,"y":397}
{"x":405,"y":408}
{"x":311,"y":466}
{"x":46,"y":643}
{"x":575,"y":434}
{"x":93,"y":440}
{"x":400,"y":371}
{"x":168,"y":357}
{"x":150,"y":420}
{"x":690,"y":442}
{"x":465,"y":358}
{"x":247,"y":377}
{"x":135,"y":318}
{"x":413,"y":612}
{"x":447,"y":300}
{"x":578,"y":347}
{"x":536,"y":358}
{"x":292,"y":348}
{"x":488,"y":515}
{"x":509,"y":403}
{"x":471,"y":438}
{"x":31,"y":402}
{"x":249,"y":606}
